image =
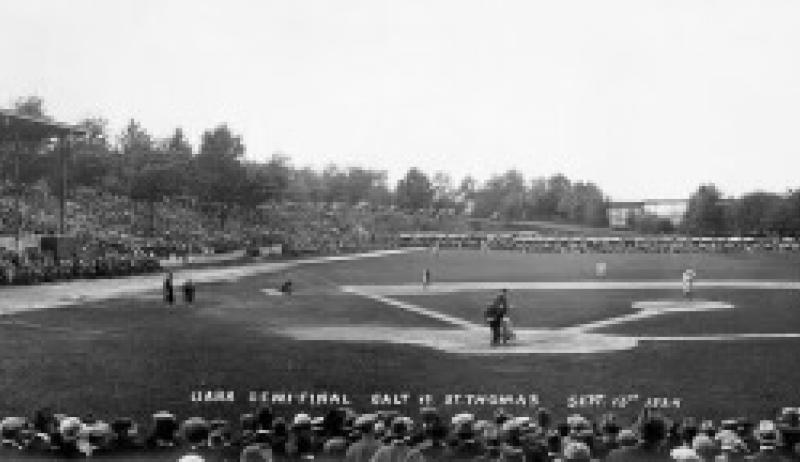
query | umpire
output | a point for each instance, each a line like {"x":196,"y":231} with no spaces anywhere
{"x":188,"y":291}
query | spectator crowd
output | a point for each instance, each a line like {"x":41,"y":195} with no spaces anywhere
{"x":383,"y":436}
{"x":538,"y":243}
{"x":115,"y":235}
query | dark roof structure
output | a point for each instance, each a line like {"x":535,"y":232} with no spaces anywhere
{"x":16,"y":127}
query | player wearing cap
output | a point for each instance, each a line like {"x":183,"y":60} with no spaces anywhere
{"x":426,"y":278}
{"x":688,"y":282}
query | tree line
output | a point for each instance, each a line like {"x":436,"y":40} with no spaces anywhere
{"x":136,"y":164}
{"x":753,"y":214}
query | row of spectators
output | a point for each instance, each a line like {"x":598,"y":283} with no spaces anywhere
{"x":183,"y":223}
{"x":385,"y":436}
{"x":35,"y":267}
{"x":609,"y":244}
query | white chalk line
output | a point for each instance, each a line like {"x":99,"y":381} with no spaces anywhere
{"x":650,"y":309}
{"x":719,"y":337}
{"x":410,"y":307}
{"x":471,"y":338}
{"x":450,"y":287}
{"x":26,"y":298}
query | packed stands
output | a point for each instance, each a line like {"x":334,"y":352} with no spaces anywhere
{"x":537,"y":243}
{"x":115,"y":235}
{"x":342,"y":434}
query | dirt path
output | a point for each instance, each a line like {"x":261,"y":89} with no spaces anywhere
{"x":15,"y":299}
{"x":470,"y":338}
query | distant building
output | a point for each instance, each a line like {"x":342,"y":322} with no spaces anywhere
{"x":621,"y":215}
{"x":671,"y":209}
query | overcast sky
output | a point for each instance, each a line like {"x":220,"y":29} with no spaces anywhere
{"x":646,"y":98}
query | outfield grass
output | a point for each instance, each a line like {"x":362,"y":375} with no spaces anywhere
{"x":134,"y":356}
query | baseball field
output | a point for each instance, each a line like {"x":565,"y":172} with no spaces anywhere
{"x":364,"y":331}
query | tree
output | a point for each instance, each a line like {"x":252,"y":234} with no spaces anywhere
{"x":537,"y":202}
{"x":31,"y":106}
{"x":443,"y":192}
{"x":92,"y":159}
{"x":756,"y":213}
{"x":503,"y":196}
{"x":362,"y":184}
{"x":219,"y":167}
{"x":276,"y":176}
{"x":414,"y":190}
{"x":178,"y":144}
{"x":790,"y":212}
{"x":32,"y":160}
{"x":379,"y":193}
{"x":555,"y":200}
{"x":705,"y":214}
{"x":305,"y":185}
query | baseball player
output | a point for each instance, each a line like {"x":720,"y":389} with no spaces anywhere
{"x":688,"y":282}
{"x":426,"y":278}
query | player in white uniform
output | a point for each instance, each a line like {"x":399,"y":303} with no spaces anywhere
{"x":688,"y":282}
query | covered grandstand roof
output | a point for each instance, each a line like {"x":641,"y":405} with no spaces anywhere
{"x":14,"y":127}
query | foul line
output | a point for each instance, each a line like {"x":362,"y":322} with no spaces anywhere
{"x":449,"y":287}
{"x":719,"y":337}
{"x":452,"y":320}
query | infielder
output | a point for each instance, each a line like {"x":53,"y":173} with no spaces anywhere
{"x":426,"y":278}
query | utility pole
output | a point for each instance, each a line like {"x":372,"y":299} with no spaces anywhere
{"x":64,"y":153}
{"x":17,"y":192}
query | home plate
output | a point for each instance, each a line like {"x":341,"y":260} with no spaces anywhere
{"x":469,"y":341}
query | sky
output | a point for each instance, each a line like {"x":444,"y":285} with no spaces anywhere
{"x":648,"y":99}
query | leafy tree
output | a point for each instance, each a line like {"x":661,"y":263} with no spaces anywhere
{"x":705,"y":213}
{"x":31,"y":106}
{"x":92,"y":160}
{"x":361,"y":183}
{"x":219,"y":167}
{"x":785,"y":217}
{"x":757,"y":213}
{"x":334,"y":180}
{"x":443,"y":192}
{"x":414,"y":190}
{"x":305,"y":185}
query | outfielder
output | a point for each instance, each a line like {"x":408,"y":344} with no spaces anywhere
{"x":688,"y":282}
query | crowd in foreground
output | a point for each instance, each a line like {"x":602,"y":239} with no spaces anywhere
{"x":386,"y":436}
